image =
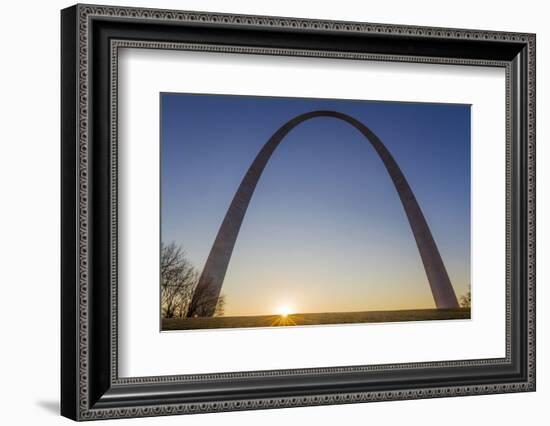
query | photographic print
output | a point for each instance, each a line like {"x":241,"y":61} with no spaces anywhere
{"x":292,"y":190}
{"x":279,"y":211}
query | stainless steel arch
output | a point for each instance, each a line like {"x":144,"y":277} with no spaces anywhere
{"x":209,"y":286}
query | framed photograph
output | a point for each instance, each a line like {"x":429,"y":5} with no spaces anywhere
{"x":263,"y":212}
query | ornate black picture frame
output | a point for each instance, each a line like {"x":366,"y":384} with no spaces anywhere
{"x":90,"y":385}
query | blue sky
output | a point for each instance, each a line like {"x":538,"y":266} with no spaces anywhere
{"x":325,"y":230}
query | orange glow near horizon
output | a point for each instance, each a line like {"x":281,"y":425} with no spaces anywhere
{"x":284,"y":311}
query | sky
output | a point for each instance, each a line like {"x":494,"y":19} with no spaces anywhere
{"x":325,"y":230}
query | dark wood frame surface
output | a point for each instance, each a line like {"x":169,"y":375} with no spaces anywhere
{"x":90,"y":38}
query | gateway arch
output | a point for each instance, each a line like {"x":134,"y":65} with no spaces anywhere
{"x":208,"y":289}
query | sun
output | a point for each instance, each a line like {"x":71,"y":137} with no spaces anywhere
{"x":284,"y":316}
{"x":284,"y":311}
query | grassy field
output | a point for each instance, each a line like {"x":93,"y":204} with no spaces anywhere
{"x":314,"y":319}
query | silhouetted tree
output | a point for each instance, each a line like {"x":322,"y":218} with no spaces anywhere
{"x":466,"y":300}
{"x":220,"y":307}
{"x":204,"y":302}
{"x":177,"y":282}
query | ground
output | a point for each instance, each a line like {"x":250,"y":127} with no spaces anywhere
{"x":315,"y":319}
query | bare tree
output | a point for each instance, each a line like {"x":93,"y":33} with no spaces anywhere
{"x":220,"y":307}
{"x":178,"y":284}
{"x":466,"y":300}
{"x":204,"y":302}
{"x":178,"y":281}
